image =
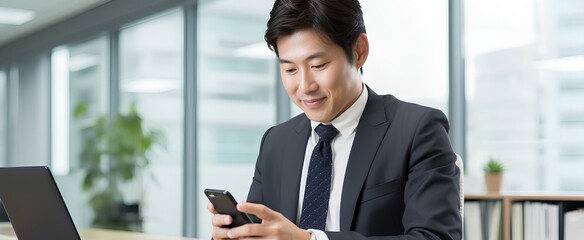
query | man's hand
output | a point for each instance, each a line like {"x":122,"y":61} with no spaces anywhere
{"x":274,"y":225}
{"x":218,"y":221}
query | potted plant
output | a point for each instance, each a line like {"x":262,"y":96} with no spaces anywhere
{"x":115,"y":151}
{"x":493,"y":175}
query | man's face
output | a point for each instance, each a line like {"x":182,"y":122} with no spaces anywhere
{"x":317,"y":75}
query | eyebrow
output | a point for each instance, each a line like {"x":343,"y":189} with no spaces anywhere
{"x":312,"y":56}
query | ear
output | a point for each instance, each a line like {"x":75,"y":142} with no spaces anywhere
{"x":361,"y":50}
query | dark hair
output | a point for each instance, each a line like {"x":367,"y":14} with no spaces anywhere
{"x":340,"y":21}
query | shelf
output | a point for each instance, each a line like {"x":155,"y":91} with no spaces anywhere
{"x":508,"y":198}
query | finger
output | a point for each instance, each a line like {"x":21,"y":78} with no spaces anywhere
{"x":220,"y":220}
{"x":220,"y":233}
{"x":247,"y":231}
{"x":211,"y":208}
{"x":259,"y":210}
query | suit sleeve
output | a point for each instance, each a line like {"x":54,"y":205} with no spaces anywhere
{"x":255,"y":190}
{"x":432,"y":189}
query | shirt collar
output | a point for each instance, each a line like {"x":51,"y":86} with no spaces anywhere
{"x":347,"y":122}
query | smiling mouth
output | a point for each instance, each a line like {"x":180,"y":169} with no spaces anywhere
{"x":313,"y":102}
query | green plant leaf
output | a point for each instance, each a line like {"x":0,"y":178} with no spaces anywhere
{"x":494,"y":166}
{"x":81,"y":110}
{"x":115,"y":148}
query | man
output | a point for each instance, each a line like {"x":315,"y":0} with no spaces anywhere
{"x":356,"y":164}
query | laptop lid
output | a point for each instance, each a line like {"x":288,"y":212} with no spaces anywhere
{"x":34,"y":204}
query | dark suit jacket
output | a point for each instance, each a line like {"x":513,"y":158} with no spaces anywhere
{"x":401,"y":180}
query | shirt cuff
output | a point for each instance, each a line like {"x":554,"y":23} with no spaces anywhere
{"x":318,"y":234}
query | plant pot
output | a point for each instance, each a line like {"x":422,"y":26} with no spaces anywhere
{"x":493,"y":181}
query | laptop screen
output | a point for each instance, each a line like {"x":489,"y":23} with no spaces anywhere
{"x":34,"y":204}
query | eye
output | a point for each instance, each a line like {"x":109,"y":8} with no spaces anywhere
{"x":290,"y":71}
{"x":319,"y":67}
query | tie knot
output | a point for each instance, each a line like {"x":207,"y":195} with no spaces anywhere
{"x":326,"y":132}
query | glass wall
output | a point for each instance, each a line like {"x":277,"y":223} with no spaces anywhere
{"x":151,"y":82}
{"x":30,"y":106}
{"x":408,"y":50}
{"x":525,"y":92}
{"x":235,"y":97}
{"x":79,"y":81}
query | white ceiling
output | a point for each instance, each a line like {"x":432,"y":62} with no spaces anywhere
{"x":46,"y":13}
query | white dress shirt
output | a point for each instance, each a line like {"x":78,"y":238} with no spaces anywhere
{"x":341,"y":145}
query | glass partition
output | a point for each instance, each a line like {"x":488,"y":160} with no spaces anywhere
{"x":525,"y":92}
{"x":80,"y":76}
{"x":151,"y":84}
{"x":79,"y":79}
{"x":235,"y":98}
{"x":408,"y":50}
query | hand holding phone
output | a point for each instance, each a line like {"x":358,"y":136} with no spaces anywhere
{"x":224,"y":203}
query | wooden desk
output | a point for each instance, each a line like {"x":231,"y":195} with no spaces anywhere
{"x":6,"y":233}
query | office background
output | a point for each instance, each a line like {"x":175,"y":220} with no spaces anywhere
{"x":509,"y":75}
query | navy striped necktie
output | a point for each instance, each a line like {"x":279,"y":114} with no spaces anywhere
{"x":318,"y":181}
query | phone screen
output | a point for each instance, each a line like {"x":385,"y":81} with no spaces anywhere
{"x":224,"y":203}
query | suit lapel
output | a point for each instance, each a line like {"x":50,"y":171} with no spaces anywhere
{"x":370,"y":132}
{"x":292,"y":169}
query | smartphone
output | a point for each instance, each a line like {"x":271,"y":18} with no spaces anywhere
{"x":224,"y":203}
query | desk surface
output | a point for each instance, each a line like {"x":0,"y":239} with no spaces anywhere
{"x":6,"y":233}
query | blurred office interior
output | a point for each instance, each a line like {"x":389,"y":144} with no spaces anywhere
{"x":508,"y":74}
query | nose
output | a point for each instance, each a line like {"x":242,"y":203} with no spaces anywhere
{"x":307,"y":83}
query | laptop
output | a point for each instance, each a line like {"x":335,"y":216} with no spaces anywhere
{"x":34,"y":204}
